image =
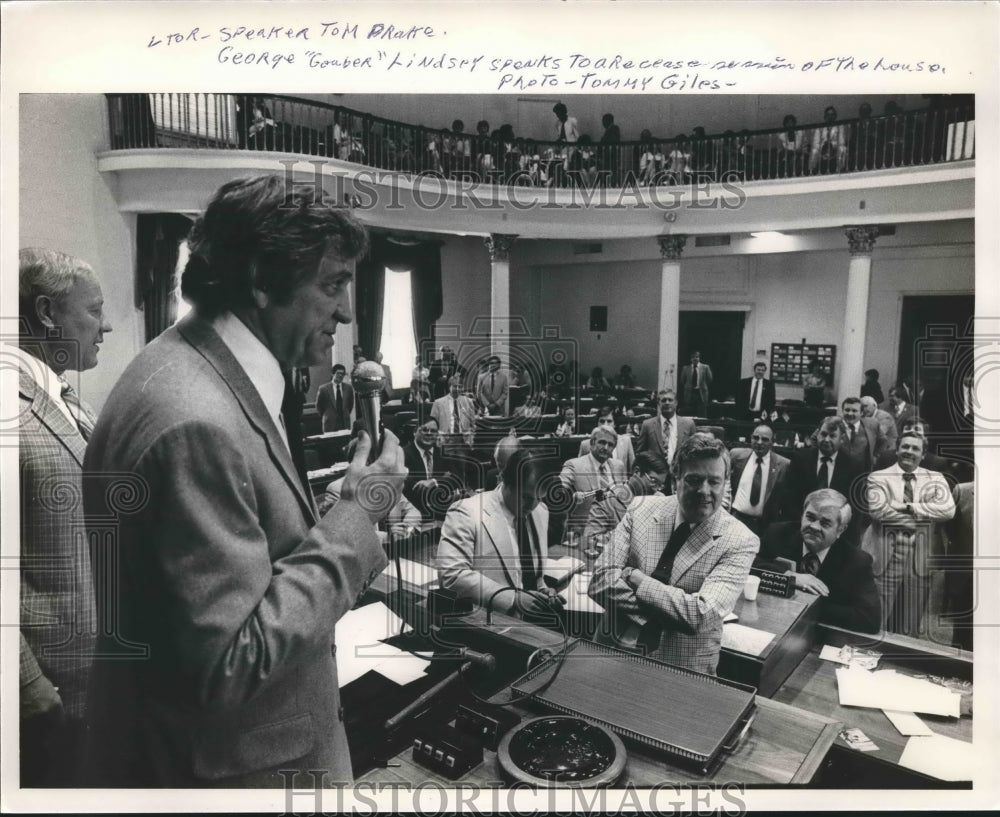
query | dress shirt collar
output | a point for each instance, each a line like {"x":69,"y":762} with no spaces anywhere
{"x":819,"y":458}
{"x":821,"y":555}
{"x":44,"y":378}
{"x":256,"y":360}
{"x":598,"y":464}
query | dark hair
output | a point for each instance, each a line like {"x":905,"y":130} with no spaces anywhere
{"x":522,"y":461}
{"x":646,"y":462}
{"x":916,"y":436}
{"x":872,"y":373}
{"x":847,"y":400}
{"x":258,"y":233}
{"x":458,"y":125}
{"x":607,"y":119}
{"x":559,"y":109}
{"x":339,"y":367}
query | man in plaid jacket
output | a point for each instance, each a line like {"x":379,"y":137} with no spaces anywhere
{"x":62,"y":324}
{"x":676,"y":564}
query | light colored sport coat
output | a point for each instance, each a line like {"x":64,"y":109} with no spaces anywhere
{"x":58,"y":615}
{"x":441,"y":411}
{"x":224,"y":576}
{"x":707,"y":577}
{"x":581,"y":474}
{"x":477,"y":555}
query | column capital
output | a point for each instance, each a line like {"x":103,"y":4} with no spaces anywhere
{"x":498,"y":245}
{"x":861,"y":239}
{"x":671,"y":246}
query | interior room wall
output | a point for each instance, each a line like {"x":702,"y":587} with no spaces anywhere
{"x":66,"y":205}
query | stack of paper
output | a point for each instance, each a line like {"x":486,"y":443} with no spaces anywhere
{"x":888,"y":689}
{"x":414,"y":573}
{"x":576,"y":598}
{"x":942,"y":757}
{"x":747,"y":640}
{"x":359,"y":636}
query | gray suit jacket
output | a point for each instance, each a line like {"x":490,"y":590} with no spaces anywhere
{"x":651,"y":438}
{"x":477,"y":555}
{"x":224,"y":578}
{"x":581,"y":474}
{"x":58,"y":616}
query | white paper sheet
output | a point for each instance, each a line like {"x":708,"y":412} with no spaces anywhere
{"x":887,"y":689}
{"x":560,"y":568}
{"x":576,"y":598}
{"x":941,"y":757}
{"x":359,"y":635}
{"x":748,"y":640}
{"x":414,"y":573}
{"x":907,"y":723}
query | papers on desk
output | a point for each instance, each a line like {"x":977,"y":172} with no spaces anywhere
{"x":576,"y":598}
{"x":559,"y":569}
{"x":941,"y":757}
{"x":888,"y":689}
{"x":851,"y":656}
{"x":907,"y":723}
{"x":745,"y":639}
{"x":414,"y":573}
{"x":359,"y":636}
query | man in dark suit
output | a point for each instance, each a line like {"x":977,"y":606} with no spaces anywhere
{"x":901,"y":409}
{"x":826,"y":562}
{"x":434,"y":481}
{"x":755,"y":396}
{"x":863,"y":441}
{"x":661,"y":436}
{"x":825,"y":467}
{"x":696,"y":382}
{"x":225,"y":577}
{"x":63,"y":323}
{"x":335,"y":401}
{"x":758,"y":490}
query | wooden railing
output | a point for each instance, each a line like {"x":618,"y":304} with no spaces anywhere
{"x":297,"y":126}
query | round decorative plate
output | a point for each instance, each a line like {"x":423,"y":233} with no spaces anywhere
{"x":562,"y":751}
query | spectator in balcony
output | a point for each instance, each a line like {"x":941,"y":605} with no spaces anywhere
{"x":588,"y":172}
{"x":568,"y":133}
{"x":893,"y":133}
{"x":650,"y":159}
{"x":510,"y":151}
{"x":792,"y":148}
{"x":677,"y":165}
{"x":701,"y":152}
{"x":433,"y":153}
{"x":611,"y":157}
{"x":863,"y":139}
{"x":459,"y":149}
{"x":482,"y":150}
{"x":829,"y":145}
{"x":260,"y":130}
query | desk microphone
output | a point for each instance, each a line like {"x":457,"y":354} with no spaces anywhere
{"x":368,"y":379}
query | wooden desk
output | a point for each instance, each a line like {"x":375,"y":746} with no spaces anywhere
{"x":792,"y":621}
{"x":813,"y":686}
{"x":784,"y":746}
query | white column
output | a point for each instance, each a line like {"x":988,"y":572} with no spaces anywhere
{"x":671,"y":247}
{"x":499,"y":245}
{"x":851,"y":359}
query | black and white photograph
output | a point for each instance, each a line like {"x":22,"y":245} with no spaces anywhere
{"x":513,"y":406}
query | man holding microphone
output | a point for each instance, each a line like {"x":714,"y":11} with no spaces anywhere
{"x":226,"y":582}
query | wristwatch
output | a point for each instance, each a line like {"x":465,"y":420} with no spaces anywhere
{"x":626,"y":573}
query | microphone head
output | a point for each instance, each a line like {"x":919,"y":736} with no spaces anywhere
{"x":367,"y":378}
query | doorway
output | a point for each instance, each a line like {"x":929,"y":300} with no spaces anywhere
{"x":719,"y":338}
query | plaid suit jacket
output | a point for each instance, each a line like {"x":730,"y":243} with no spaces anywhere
{"x":58,"y":614}
{"x":707,"y":577}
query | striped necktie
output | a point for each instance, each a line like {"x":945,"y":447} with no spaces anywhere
{"x":85,"y":419}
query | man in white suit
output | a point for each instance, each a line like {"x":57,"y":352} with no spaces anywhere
{"x":455,"y":414}
{"x":494,"y":544}
{"x":591,"y":476}
{"x":906,"y":503}
{"x":676,"y":565}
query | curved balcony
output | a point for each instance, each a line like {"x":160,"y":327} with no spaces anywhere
{"x":171,"y":151}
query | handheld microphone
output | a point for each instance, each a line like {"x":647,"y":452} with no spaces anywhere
{"x":368,"y":379}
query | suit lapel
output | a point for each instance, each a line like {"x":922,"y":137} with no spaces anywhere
{"x":52,"y":417}
{"x":203,"y":337}
{"x":701,"y":539}
{"x":772,"y":477}
{"x":498,"y":532}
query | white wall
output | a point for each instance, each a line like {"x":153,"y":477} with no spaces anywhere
{"x":66,"y":205}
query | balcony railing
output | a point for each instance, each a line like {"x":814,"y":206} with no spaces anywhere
{"x":303,"y":127}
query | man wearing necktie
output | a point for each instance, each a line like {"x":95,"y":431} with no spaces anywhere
{"x":661,"y":435}
{"x":696,"y":380}
{"x":492,"y":389}
{"x":592,"y":476}
{"x":335,"y":401}
{"x":676,"y":565}
{"x":63,"y":324}
{"x":827,"y":562}
{"x":864,"y":441}
{"x":824,"y":466}
{"x":759,"y":479}
{"x":757,"y":393}
{"x":456,"y":415}
{"x":226,"y":575}
{"x":906,"y":502}
{"x":494,"y":544}
{"x":829,"y":144}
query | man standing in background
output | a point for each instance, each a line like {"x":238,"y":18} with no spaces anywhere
{"x":335,"y":401}
{"x":696,"y":381}
{"x":62,"y":319}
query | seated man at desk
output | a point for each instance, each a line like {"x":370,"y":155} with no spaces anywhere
{"x":676,"y":565}
{"x":434,"y":480}
{"x":646,"y":480}
{"x":494,"y":544}
{"x":624,"y":452}
{"x":824,"y":561}
{"x":591,"y":476}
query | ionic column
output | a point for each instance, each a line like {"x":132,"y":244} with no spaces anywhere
{"x":671,"y":247}
{"x":851,"y":359}
{"x":498,"y":245}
